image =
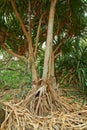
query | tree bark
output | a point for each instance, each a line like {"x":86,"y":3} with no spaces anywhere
{"x":47,"y":72}
{"x":30,"y":46}
{"x":23,"y":58}
{"x":30,"y":59}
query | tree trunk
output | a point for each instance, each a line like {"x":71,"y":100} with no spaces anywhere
{"x":48,"y":60}
{"x":30,"y":59}
{"x":30,"y":47}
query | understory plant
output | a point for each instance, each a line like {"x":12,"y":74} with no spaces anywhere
{"x":71,"y":66}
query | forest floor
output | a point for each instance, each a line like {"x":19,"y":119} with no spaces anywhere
{"x":19,"y":118}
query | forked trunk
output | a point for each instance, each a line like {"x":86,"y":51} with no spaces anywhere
{"x":44,"y":97}
{"x":48,"y":69}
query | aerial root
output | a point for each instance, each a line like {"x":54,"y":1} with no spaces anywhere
{"x":43,"y":109}
{"x":20,"y":118}
{"x":44,"y":100}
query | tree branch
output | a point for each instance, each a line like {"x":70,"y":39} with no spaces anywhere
{"x":60,"y":43}
{"x":11,"y":69}
{"x":20,"y":20}
{"x":38,"y":32}
{"x":60,"y":26}
{"x":12,"y":53}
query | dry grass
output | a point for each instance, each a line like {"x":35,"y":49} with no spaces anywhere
{"x":44,"y":109}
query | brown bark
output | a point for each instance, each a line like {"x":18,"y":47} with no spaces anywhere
{"x":20,"y":20}
{"x":68,"y":35}
{"x":60,"y":26}
{"x":12,"y":53}
{"x":29,"y":39}
{"x":61,"y":42}
{"x":30,"y":46}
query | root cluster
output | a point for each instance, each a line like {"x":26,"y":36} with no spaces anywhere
{"x":43,"y":109}
{"x":43,"y":100}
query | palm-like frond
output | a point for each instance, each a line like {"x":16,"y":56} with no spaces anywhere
{"x":72,"y":66}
